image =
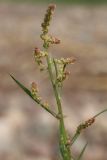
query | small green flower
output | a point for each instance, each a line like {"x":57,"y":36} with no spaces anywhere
{"x":34,"y":91}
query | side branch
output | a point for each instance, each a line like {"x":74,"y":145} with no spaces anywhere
{"x":28,"y":92}
{"x":84,"y":125}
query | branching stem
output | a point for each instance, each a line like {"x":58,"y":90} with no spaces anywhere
{"x":65,"y":150}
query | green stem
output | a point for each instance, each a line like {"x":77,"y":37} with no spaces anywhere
{"x":105,"y":110}
{"x":74,"y":138}
{"x":57,"y":96}
{"x":56,"y":70}
{"x":64,"y":149}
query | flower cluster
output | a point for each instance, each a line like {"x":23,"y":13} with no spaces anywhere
{"x":57,"y":70}
{"x":85,"y":125}
{"x":62,"y":73}
{"x":36,"y":96}
{"x":46,"y":104}
{"x":34,"y":91}
{"x":48,"y":39}
{"x":62,"y":76}
{"x":54,"y":40}
{"x":39,"y":55}
{"x":47,"y":18}
{"x":66,"y":61}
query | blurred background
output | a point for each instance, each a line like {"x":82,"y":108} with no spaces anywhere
{"x":27,"y":132}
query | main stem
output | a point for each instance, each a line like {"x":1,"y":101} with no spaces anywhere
{"x":64,"y":149}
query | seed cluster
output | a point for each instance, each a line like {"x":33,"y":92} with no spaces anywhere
{"x":34,"y":91}
{"x":36,"y":96}
{"x":38,"y":56}
{"x":85,"y":125}
{"x":62,"y":72}
{"x":47,"y":18}
{"x":48,"y":39}
{"x":57,"y":69}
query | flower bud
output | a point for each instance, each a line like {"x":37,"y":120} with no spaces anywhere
{"x":52,"y":7}
{"x":70,"y":60}
{"x":46,"y":104}
{"x":37,"y":51}
{"x":55,"y":40}
{"x":90,"y":122}
{"x":67,"y":73}
{"x":34,"y":87}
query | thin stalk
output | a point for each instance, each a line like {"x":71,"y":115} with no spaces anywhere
{"x":55,"y":88}
{"x":74,"y":138}
{"x":56,"y":70}
{"x":64,"y":149}
{"x":105,"y":110}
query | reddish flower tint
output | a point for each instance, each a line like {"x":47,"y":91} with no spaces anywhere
{"x":37,"y":51}
{"x":52,"y":7}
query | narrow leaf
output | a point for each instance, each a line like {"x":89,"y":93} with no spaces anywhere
{"x":22,"y":86}
{"x":82,"y":152}
{"x":28,"y":92}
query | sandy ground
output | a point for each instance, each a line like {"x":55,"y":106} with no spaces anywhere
{"x":26,"y":131}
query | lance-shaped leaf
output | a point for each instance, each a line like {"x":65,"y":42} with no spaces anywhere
{"x":22,"y":86}
{"x":28,"y":92}
{"x":82,"y":152}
